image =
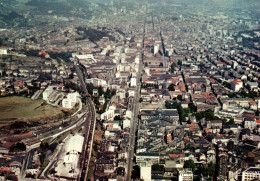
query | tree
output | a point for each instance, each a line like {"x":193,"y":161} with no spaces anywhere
{"x":231,"y":121}
{"x":18,"y":147}
{"x":136,"y":172}
{"x":208,"y":170}
{"x":172,"y":67}
{"x":180,"y":62}
{"x":211,"y":169}
{"x":146,"y":64}
{"x":117,"y":117}
{"x":100,"y":91}
{"x":19,"y":125}
{"x":192,"y":107}
{"x":96,"y":101}
{"x":141,"y":100}
{"x":226,"y":84}
{"x":208,"y":114}
{"x":44,"y":146}
{"x":161,"y":64}
{"x":108,"y":94}
{"x":179,"y":97}
{"x":171,"y":87}
{"x":53,"y":171}
{"x":157,"y":167}
{"x":172,"y":105}
{"x":189,"y":164}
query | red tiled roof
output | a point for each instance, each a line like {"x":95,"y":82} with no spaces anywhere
{"x":192,"y":125}
{"x":4,"y":169}
{"x":211,"y":80}
{"x":183,"y":88}
{"x":236,"y":82}
{"x":207,"y":131}
{"x":173,"y":156}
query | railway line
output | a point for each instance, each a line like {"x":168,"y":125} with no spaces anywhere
{"x":89,"y":128}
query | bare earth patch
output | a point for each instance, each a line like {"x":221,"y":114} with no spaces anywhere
{"x":15,"y":107}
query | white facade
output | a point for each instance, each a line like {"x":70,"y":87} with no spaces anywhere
{"x":73,"y":96}
{"x":85,"y":57}
{"x":72,"y":148}
{"x":126,"y":123}
{"x":252,"y":173}
{"x":67,"y":103}
{"x":70,"y":101}
{"x":146,"y":173}
{"x":110,"y":114}
{"x":47,"y":92}
{"x":137,"y":60}
{"x":185,"y":175}
{"x":147,"y":71}
{"x":128,"y":114}
{"x":3,"y":51}
{"x":112,"y":125}
{"x":133,"y":82}
{"x":156,"y":49}
{"x":250,"y":124}
{"x":236,"y":85}
{"x":97,"y":82}
{"x":131,"y":93}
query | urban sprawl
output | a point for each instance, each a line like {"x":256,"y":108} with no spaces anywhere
{"x":142,"y":95}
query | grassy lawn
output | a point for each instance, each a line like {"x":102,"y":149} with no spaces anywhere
{"x":15,"y":107}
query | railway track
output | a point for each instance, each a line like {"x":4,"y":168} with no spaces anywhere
{"x":89,"y":127}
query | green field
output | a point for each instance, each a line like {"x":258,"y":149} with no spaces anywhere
{"x":12,"y":108}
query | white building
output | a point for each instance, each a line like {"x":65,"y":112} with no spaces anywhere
{"x":252,"y":173}
{"x":156,"y":49}
{"x":126,"y":123}
{"x":146,"y":172}
{"x":236,"y":85}
{"x":3,"y":51}
{"x":185,"y":175}
{"x":253,"y":86}
{"x":250,"y":124}
{"x":137,"y":60}
{"x":70,"y":101}
{"x":131,"y":93}
{"x":97,"y":82}
{"x":109,"y":114}
{"x":47,"y":92}
{"x":85,"y":57}
{"x":133,"y":82}
{"x":128,"y":114}
{"x":73,"y":96}
{"x":112,"y":125}
{"x":67,"y":167}
{"x":66,"y":103}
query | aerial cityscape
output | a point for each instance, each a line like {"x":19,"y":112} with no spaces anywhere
{"x":121,"y":90}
